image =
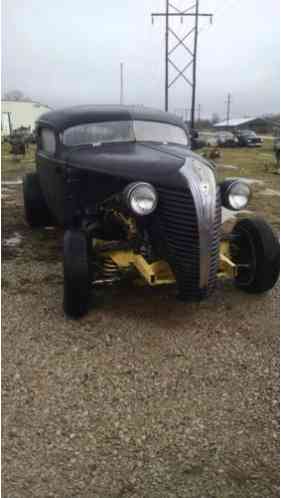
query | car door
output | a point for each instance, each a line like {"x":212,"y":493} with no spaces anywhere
{"x":51,"y":171}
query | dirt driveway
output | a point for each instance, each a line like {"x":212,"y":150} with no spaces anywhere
{"x":146,"y":397}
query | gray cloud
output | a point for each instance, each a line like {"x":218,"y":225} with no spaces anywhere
{"x":69,"y":52}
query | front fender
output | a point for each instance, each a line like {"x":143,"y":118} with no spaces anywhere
{"x":202,"y":184}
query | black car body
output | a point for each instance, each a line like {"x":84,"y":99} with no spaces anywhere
{"x":248,"y":138}
{"x":133,"y":201}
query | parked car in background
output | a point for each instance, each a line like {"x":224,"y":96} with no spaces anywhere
{"x":227,"y":139}
{"x":135,"y":202}
{"x":248,"y":138}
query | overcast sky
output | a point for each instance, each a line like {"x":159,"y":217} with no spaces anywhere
{"x":68,"y":52}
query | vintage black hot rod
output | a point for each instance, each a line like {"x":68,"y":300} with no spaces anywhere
{"x":134,"y":201}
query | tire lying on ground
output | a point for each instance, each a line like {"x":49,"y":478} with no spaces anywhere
{"x":77,"y":275}
{"x":256,"y":249}
{"x":37,"y":213}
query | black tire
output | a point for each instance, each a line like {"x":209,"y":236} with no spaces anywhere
{"x":255,"y":245}
{"x":37,"y":213}
{"x":77,"y":278}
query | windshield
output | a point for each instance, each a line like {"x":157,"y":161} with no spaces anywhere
{"x":248,"y":133}
{"x":124,"y":131}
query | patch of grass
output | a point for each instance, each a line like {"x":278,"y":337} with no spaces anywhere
{"x":258,"y":163}
{"x":15,"y":167}
{"x":251,"y":162}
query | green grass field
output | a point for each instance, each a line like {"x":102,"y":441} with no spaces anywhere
{"x":12,"y":167}
{"x":259,"y":164}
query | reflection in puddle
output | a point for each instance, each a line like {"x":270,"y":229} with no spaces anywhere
{"x":11,"y":182}
{"x":5,"y":193}
{"x":13,"y":241}
{"x":226,"y":166}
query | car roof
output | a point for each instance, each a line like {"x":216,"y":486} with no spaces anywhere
{"x":71,"y":116}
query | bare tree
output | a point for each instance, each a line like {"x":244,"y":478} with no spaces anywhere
{"x":15,"y":95}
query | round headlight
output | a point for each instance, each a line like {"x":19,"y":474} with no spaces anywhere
{"x":238,"y":195}
{"x":141,"y":198}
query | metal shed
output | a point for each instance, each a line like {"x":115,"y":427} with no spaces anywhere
{"x":237,"y":122}
{"x":15,"y":114}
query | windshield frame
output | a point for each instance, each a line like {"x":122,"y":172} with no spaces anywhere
{"x":132,"y":129}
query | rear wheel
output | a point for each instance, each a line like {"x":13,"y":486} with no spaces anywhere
{"x":255,"y":249}
{"x":37,"y":213}
{"x":77,"y":275}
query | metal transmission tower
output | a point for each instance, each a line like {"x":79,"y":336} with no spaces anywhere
{"x":181,"y":41}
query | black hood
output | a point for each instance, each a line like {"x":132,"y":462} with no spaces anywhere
{"x":134,"y":161}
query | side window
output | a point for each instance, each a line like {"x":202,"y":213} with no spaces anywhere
{"x":48,"y":141}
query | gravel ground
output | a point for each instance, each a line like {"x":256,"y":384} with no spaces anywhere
{"x":146,"y":397}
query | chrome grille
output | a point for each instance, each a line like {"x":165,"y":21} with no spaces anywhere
{"x":178,"y":225}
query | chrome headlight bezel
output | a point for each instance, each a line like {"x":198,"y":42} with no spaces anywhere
{"x":136,"y":194}
{"x":230,"y":194}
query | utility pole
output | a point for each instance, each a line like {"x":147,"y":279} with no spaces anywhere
{"x":181,"y":41}
{"x":166,"y":58}
{"x":121,"y":84}
{"x":199,"y":113}
{"x":228,"y":103}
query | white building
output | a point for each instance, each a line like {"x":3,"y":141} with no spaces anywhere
{"x":15,"y":114}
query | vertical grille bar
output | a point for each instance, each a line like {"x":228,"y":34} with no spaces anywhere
{"x":215,"y":244}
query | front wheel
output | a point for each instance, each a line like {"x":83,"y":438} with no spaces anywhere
{"x":255,"y":249}
{"x":77,"y":281}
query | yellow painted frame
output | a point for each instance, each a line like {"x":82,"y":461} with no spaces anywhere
{"x":226,"y":266}
{"x":160,"y":272}
{"x":156,"y":273}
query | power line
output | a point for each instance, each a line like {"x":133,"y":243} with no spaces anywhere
{"x":218,"y":12}
{"x":181,"y":41}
